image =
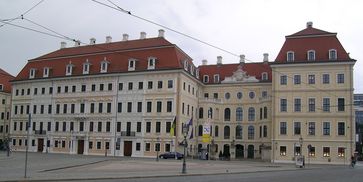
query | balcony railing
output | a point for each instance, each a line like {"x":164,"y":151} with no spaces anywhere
{"x":128,"y":133}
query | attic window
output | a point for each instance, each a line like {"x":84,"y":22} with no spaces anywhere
{"x":216,"y":78}
{"x":192,"y":69}
{"x":264,"y":76}
{"x":69,"y":69}
{"x":151,"y":63}
{"x":86,"y":67}
{"x":132,"y":64}
{"x":32,"y":73}
{"x":205,"y":78}
{"x":332,"y":54}
{"x":311,"y":55}
{"x":197,"y":73}
{"x":104,"y":66}
{"x":46,"y":72}
{"x":1,"y":87}
{"x":186,"y":65}
{"x":290,"y":56}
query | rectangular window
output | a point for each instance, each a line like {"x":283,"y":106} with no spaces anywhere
{"x":72,"y":108}
{"x":283,"y":80}
{"x":167,"y":147}
{"x":283,"y":128}
{"x":138,"y":127}
{"x":91,"y":126}
{"x":326,"y":78}
{"x":34,"y":109}
{"x":341,"y":151}
{"x":157,"y":146}
{"x":56,"y":126}
{"x":312,"y":152}
{"x":65,"y":89}
{"x":169,"y":106}
{"x":101,"y":87}
{"x":147,"y":147}
{"x":43,"y":90}
{"x":311,"y":128}
{"x":93,"y":87}
{"x":35,"y":91}
{"x":297,"y":79}
{"x":160,"y":84}
{"x":141,"y":85}
{"x":283,"y":105}
{"x":74,"y":88}
{"x":59,"y":89}
{"x":148,"y":127}
{"x":98,"y":145}
{"x":130,"y":85}
{"x":118,"y":127}
{"x":311,"y":79}
{"x":119,"y":107}
{"x":340,"y":78}
{"x":297,"y":105}
{"x":170,"y":83}
{"x":108,"y":126}
{"x":109,"y":87}
{"x":99,"y":126}
{"x":129,"y":107}
{"x":120,"y":86}
{"x":81,"y":108}
{"x":109,"y":108}
{"x":83,"y":89}
{"x":50,"y":90}
{"x":311,"y":104}
{"x":297,"y":128}
{"x":341,"y":128}
{"x":282,"y":150}
{"x":139,"y":106}
{"x":326,"y":104}
{"x":65,"y":108}
{"x":158,"y":126}
{"x":41,"y":109}
{"x":168,"y":127}
{"x":81,"y":126}
{"x":64,"y":128}
{"x":150,"y":85}
{"x":49,"y":126}
{"x":158,"y":106}
{"x":148,"y":106}
{"x":138,"y":146}
{"x":341,"y":104}
{"x":326,"y":128}
{"x":90,"y":145}
{"x":92,"y":109}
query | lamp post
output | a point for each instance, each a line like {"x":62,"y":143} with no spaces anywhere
{"x":185,"y":133}
{"x":157,"y":149}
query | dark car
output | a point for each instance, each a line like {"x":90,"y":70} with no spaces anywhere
{"x":171,"y":155}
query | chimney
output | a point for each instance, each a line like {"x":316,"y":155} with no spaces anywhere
{"x":125,"y":37}
{"x":92,"y":41}
{"x":242,"y":59}
{"x":63,"y":45}
{"x":219,"y":60}
{"x":77,"y":43}
{"x":204,"y":62}
{"x":265,"y":57}
{"x":309,"y":24}
{"x":108,"y":39}
{"x":161,"y":33}
{"x":142,"y":35}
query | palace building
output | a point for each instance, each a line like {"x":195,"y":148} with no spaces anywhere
{"x":5,"y":106}
{"x":125,"y":98}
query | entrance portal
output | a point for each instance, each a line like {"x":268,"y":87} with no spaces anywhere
{"x":40,"y":144}
{"x":128,"y":148}
{"x":80,"y":147}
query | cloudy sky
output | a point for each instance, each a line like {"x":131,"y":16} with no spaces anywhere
{"x":250,"y":27}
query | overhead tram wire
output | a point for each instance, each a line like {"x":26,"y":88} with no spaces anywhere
{"x":118,"y":8}
{"x":64,"y":37}
{"x":26,"y":12}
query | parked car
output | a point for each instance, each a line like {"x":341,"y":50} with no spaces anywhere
{"x":171,"y":155}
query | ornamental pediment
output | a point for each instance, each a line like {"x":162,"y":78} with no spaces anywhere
{"x":239,"y":76}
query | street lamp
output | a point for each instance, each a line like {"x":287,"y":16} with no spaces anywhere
{"x":157,"y":149}
{"x":185,"y":133}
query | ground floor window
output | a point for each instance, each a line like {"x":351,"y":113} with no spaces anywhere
{"x":283,"y":150}
{"x":167,"y":147}
{"x":341,"y":151}
{"x":147,"y":146}
{"x":90,"y":145}
{"x":312,"y":152}
{"x":138,"y":146}
{"x":326,"y":151}
{"x":98,"y":145}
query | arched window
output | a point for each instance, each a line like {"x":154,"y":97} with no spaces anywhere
{"x":251,"y":132}
{"x":238,"y":132}
{"x":332,"y":54}
{"x":216,"y":132}
{"x":239,"y":114}
{"x":201,"y":112}
{"x":290,"y":56}
{"x":311,"y":55}
{"x":226,"y":132}
{"x":251,"y":114}
{"x":200,"y":130}
{"x":264,"y":76}
{"x":227,"y":114}
{"x":265,"y":112}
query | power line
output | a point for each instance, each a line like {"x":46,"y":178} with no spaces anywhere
{"x":26,"y":12}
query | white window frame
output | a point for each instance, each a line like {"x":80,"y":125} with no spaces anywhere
{"x":337,"y":78}
{"x":322,"y":128}
{"x":192,"y":69}
{"x":205,"y":79}
{"x":69,"y":69}
{"x":322,"y":78}
{"x":45,"y":72}
{"x":216,"y":78}
{"x":151,"y":61}
{"x":186,"y":65}
{"x":197,"y":73}
{"x":336,"y":54}
{"x":86,"y":67}
{"x":32,"y":73}
{"x":1,"y":87}
{"x":287,"y":56}
{"x":133,"y":66}
{"x":308,"y":55}
{"x":264,"y":76}
{"x":104,"y":66}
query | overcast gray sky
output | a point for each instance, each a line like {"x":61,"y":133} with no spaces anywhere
{"x":250,"y":27}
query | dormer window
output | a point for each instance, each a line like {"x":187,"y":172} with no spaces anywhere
{"x":132,"y":64}
{"x":290,"y":56}
{"x":264,"y":76}
{"x":205,"y":78}
{"x":192,"y":69}
{"x":151,"y":63}
{"x":197,"y":73}
{"x":45,"y":72}
{"x":216,"y":78}
{"x":1,"y":87}
{"x":104,"y":66}
{"x":32,"y":73}
{"x":311,"y":55}
{"x":69,"y":69}
{"x":186,"y":65}
{"x":86,"y":67}
{"x":332,"y":54}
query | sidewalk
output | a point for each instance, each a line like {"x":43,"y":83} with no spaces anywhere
{"x":51,"y":167}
